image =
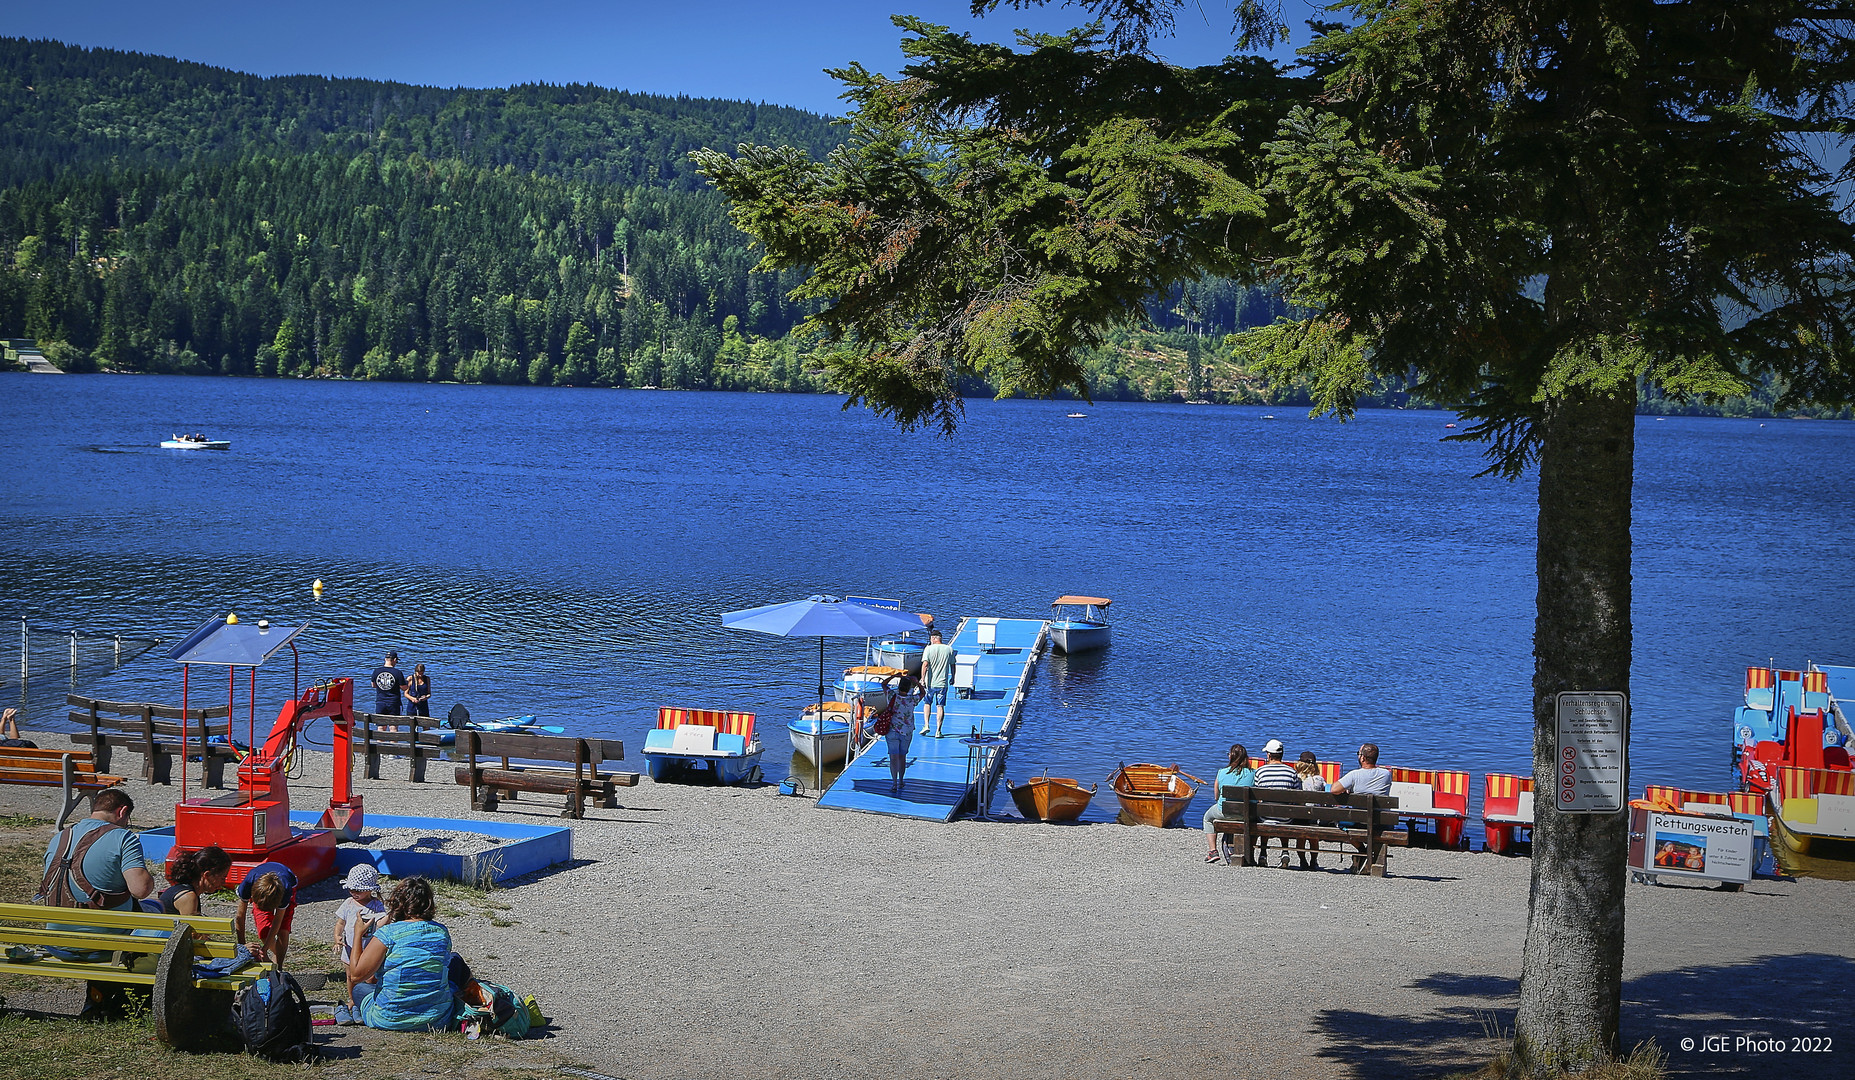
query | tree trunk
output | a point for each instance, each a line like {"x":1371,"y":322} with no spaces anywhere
{"x":1571,"y":981}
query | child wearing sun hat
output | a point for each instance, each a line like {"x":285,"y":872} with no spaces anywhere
{"x":354,"y":924}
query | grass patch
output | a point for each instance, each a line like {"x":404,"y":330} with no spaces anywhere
{"x":70,"y":1050}
{"x":1646,"y":1062}
{"x":458,"y":900}
{"x":22,"y":821}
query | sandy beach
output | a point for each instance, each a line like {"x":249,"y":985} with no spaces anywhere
{"x":711,"y":932}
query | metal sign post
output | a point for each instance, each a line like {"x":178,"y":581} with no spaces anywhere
{"x":1591,"y":760}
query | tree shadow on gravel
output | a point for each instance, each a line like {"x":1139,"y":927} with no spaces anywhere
{"x":1798,"y":1002}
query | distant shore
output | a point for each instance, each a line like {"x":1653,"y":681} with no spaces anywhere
{"x":715,"y":932}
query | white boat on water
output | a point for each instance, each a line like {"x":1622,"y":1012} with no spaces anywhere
{"x":822,"y":737}
{"x":195,"y":442}
{"x":1081,"y":623}
{"x":864,"y":685}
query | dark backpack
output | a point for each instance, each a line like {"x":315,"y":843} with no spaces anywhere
{"x":67,"y":869}
{"x":272,"y":1017}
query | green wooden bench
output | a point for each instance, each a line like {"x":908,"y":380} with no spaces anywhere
{"x":188,"y":1012}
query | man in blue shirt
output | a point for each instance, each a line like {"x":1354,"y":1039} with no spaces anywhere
{"x":388,"y":682}
{"x":97,"y":863}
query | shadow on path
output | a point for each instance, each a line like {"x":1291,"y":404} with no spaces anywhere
{"x":1794,"y":1009}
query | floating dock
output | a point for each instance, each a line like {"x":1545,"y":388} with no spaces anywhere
{"x":940,"y":780}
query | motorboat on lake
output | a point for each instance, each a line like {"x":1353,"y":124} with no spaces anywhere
{"x":864,"y":685}
{"x":195,"y":442}
{"x":1081,"y":623}
{"x":821,"y":734}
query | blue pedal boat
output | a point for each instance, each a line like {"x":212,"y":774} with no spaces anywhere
{"x":715,"y":741}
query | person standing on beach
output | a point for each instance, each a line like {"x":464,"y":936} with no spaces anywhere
{"x":419,"y":692}
{"x":937,"y":662}
{"x":388,"y":682}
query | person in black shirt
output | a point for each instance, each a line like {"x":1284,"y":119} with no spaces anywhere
{"x":419,"y":692}
{"x":388,"y":682}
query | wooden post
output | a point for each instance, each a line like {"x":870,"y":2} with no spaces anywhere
{"x":1249,"y":824}
{"x":154,"y":763}
{"x":579,"y":778}
{"x":99,"y":746}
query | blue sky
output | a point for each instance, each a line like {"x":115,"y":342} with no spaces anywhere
{"x":769,"y":51}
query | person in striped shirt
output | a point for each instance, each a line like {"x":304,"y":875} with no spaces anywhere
{"x":1276,"y":773}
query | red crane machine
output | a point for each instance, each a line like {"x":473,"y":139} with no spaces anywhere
{"x":252,"y":824}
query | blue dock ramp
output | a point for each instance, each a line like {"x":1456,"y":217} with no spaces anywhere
{"x":939,"y":781}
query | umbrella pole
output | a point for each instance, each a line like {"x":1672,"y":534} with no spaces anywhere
{"x":818,"y":747}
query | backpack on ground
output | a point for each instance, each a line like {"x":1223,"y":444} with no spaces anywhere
{"x":495,"y":1009}
{"x":272,"y":1017}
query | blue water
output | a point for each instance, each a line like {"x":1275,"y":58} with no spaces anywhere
{"x":567,"y":552}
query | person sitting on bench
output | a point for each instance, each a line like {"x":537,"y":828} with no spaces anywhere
{"x":9,"y":732}
{"x":1368,"y":778}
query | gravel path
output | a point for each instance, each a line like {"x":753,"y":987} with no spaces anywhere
{"x":714,"y":932}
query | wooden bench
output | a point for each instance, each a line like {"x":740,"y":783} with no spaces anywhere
{"x":74,"y":772}
{"x":189,"y":1013}
{"x":490,"y":783}
{"x":1506,"y":809}
{"x":154,"y":732}
{"x":1365,"y":825}
{"x":420,"y":739}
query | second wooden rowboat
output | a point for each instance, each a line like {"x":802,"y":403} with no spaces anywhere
{"x":1154,"y":795}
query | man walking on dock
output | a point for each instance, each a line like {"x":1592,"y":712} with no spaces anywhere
{"x":937,"y":675}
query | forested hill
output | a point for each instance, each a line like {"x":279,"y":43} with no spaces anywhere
{"x":157,"y":215}
{"x":62,"y":105}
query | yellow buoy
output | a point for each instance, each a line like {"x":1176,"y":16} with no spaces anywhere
{"x":231,"y":618}
{"x":317,"y":587}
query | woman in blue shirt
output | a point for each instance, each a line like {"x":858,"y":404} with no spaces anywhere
{"x":402,"y":978}
{"x":1238,"y":774}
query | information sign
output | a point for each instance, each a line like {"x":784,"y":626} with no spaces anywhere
{"x":1590,"y":762}
{"x":1683,"y":845}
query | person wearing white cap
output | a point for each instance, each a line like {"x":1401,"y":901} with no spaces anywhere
{"x":354,"y":924}
{"x":1278,"y":774}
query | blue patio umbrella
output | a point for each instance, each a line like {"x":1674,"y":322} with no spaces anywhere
{"x":821,"y":617}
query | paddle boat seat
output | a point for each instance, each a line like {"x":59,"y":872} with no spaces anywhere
{"x":1506,"y":809}
{"x":714,"y":739}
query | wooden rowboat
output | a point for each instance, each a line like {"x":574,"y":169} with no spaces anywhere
{"x":1152,"y":794}
{"x":1051,"y":798}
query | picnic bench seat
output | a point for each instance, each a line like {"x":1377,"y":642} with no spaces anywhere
{"x":189,"y":1012}
{"x":74,"y":772}
{"x":154,"y":732}
{"x":491,"y":783}
{"x":1362,"y":825}
{"x":1506,"y":809}
{"x":419,"y":739}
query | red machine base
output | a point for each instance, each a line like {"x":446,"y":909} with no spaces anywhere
{"x":310,"y":855}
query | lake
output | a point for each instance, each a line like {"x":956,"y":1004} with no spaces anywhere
{"x":567,"y":553}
